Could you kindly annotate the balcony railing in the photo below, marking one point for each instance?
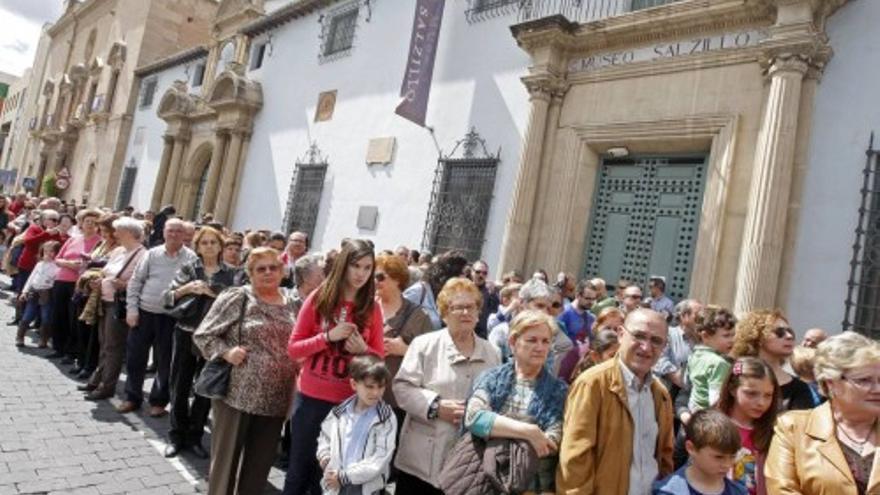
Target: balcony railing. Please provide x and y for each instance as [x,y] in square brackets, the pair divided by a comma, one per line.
[580,11]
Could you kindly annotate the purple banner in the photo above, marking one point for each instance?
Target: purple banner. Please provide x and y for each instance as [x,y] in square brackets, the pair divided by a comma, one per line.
[416,85]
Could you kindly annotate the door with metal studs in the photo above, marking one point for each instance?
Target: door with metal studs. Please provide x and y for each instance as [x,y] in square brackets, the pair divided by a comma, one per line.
[645,220]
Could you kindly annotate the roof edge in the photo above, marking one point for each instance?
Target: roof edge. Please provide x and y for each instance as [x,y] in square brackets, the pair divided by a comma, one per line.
[171,61]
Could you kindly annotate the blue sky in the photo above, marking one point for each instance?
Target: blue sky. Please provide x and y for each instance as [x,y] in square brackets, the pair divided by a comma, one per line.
[22,21]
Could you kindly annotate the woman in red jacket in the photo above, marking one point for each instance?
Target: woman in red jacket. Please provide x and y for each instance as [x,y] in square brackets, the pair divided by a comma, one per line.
[337,322]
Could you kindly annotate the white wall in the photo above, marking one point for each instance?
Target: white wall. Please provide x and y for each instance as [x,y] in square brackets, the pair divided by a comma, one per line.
[847,110]
[476,83]
[148,153]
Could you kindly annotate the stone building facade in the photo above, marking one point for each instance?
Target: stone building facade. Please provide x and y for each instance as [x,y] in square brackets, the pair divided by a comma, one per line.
[87,91]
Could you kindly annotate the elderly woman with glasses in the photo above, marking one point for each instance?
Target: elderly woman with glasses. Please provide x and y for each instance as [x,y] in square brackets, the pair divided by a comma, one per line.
[832,448]
[434,380]
[536,295]
[249,328]
[767,334]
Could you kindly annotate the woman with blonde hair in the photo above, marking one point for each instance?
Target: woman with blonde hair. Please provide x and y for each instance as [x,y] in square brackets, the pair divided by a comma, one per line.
[248,327]
[521,399]
[766,333]
[433,383]
[832,448]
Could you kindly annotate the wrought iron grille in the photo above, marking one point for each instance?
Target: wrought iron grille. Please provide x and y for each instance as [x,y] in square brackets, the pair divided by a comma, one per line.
[863,288]
[644,221]
[583,11]
[304,197]
[484,9]
[337,31]
[126,187]
[461,198]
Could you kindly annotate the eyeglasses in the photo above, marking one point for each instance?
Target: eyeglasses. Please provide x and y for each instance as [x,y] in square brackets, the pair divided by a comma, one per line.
[781,332]
[643,338]
[481,272]
[380,277]
[864,384]
[262,269]
[464,309]
[633,296]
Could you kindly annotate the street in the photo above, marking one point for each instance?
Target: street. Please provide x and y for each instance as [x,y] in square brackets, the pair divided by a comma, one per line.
[53,442]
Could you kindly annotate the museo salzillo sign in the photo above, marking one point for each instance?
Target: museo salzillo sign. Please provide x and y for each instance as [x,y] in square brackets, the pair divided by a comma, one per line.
[416,85]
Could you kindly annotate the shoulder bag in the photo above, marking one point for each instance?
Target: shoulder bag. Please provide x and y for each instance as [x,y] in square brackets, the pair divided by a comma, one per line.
[119,295]
[213,381]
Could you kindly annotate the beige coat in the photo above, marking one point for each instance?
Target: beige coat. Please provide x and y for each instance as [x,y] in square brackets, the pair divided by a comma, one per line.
[805,458]
[433,366]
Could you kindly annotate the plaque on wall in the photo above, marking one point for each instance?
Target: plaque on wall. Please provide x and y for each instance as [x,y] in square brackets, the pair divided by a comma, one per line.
[326,105]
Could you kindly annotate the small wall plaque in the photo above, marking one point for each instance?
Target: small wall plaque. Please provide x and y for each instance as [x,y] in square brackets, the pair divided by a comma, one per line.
[367,216]
[326,105]
[381,150]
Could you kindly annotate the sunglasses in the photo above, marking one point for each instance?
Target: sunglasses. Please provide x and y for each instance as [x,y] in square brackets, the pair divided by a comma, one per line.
[482,272]
[781,332]
[262,269]
[380,277]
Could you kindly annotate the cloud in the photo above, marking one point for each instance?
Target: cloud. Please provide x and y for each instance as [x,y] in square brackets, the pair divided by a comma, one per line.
[37,11]
[19,46]
[18,40]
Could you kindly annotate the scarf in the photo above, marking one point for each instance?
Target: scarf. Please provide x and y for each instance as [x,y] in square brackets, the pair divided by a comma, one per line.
[357,440]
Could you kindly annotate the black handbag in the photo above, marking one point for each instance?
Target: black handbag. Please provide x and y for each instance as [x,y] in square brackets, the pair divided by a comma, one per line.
[120,295]
[188,309]
[213,381]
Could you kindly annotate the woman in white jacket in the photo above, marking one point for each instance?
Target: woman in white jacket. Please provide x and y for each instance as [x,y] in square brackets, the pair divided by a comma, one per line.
[357,438]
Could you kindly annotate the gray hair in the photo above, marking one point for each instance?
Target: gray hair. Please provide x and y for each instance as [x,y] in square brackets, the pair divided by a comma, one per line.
[534,289]
[48,213]
[686,306]
[305,265]
[841,353]
[130,225]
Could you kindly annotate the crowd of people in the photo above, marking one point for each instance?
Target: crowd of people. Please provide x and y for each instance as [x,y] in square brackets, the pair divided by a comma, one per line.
[358,369]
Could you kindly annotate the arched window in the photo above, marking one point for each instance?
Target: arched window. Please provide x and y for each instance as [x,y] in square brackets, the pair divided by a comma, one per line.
[227,54]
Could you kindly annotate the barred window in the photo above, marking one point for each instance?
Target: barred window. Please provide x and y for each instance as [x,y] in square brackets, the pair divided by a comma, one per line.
[198,75]
[337,33]
[257,55]
[126,186]
[304,197]
[148,92]
[863,289]
[460,200]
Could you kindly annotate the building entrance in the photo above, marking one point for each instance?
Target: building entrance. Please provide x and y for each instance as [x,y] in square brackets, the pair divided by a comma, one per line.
[645,220]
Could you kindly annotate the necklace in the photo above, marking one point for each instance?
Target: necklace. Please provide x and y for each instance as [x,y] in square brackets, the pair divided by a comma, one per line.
[858,446]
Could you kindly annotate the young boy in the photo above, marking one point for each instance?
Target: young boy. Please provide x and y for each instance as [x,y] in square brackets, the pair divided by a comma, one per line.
[357,437]
[708,366]
[712,443]
[35,294]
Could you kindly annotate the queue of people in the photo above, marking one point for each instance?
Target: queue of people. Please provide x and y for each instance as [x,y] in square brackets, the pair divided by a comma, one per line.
[368,369]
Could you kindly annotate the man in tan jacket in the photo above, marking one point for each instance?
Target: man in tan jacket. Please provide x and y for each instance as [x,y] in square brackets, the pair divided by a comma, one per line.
[617,435]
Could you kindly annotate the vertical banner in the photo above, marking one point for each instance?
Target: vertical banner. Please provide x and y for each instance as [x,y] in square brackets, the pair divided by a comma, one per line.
[416,85]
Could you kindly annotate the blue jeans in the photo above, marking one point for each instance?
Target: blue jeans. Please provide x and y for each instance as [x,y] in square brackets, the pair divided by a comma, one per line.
[304,472]
[33,308]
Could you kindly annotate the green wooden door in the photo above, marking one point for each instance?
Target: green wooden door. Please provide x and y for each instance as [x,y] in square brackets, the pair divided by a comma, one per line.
[645,217]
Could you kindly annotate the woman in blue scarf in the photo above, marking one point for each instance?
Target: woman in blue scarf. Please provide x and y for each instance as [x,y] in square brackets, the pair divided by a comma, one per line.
[520,399]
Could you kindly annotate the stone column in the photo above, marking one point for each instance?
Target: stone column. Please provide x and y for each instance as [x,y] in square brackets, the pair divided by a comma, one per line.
[519,217]
[173,172]
[764,234]
[227,180]
[221,141]
[162,175]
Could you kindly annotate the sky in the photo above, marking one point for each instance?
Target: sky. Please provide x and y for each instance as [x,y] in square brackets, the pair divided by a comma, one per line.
[22,21]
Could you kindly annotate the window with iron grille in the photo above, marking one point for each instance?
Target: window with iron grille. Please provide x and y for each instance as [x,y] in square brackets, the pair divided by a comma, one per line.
[304,198]
[337,33]
[126,187]
[257,55]
[862,303]
[460,200]
[148,92]
[481,9]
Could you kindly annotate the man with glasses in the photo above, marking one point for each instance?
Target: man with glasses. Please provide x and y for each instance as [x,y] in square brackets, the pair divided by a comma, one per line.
[149,321]
[479,275]
[630,299]
[617,431]
[682,339]
[577,318]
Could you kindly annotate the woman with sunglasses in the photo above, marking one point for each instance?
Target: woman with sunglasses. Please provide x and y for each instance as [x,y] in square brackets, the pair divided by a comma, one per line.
[337,321]
[832,448]
[249,328]
[766,334]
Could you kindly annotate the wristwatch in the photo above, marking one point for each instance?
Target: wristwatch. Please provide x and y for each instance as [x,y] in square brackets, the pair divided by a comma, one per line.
[434,408]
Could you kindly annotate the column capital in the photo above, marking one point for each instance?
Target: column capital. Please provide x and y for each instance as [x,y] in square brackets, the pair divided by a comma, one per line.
[806,52]
[545,86]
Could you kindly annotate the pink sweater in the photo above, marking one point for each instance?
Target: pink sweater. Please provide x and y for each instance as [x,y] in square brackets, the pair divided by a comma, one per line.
[324,373]
[72,250]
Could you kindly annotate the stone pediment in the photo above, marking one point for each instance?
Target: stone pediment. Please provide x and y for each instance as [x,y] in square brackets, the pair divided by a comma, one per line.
[176,102]
[233,88]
